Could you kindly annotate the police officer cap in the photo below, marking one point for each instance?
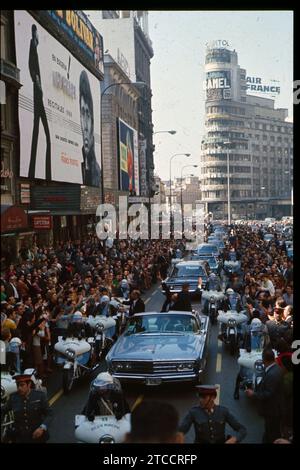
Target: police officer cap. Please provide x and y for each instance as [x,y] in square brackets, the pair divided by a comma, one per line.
[22,377]
[206,389]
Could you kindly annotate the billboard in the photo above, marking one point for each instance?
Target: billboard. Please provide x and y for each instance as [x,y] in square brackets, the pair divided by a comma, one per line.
[256,86]
[76,32]
[129,158]
[59,109]
[218,85]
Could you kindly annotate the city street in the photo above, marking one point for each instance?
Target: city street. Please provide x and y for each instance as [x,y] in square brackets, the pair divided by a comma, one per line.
[221,369]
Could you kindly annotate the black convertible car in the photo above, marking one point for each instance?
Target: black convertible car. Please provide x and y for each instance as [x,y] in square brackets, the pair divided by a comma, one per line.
[161,347]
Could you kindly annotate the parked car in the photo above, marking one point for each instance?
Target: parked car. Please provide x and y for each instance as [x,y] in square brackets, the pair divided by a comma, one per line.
[161,347]
[187,271]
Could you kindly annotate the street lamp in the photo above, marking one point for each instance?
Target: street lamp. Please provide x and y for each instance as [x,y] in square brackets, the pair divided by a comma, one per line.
[122,83]
[168,132]
[181,199]
[173,156]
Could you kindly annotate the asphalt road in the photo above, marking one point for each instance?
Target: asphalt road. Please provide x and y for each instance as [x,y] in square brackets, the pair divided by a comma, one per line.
[221,369]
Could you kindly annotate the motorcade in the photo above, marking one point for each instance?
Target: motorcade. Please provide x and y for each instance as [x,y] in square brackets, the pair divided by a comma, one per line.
[161,347]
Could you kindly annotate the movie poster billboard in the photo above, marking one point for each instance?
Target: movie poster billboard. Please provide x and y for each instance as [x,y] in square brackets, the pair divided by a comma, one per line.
[129,158]
[59,109]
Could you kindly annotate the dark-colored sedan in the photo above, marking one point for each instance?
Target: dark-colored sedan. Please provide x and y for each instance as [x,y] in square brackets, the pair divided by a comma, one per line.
[161,347]
[192,272]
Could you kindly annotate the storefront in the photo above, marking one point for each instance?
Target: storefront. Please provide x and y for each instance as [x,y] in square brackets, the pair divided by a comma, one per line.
[15,233]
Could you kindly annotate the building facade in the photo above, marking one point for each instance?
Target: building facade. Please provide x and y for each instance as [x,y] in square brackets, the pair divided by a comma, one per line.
[118,103]
[126,39]
[58,199]
[248,145]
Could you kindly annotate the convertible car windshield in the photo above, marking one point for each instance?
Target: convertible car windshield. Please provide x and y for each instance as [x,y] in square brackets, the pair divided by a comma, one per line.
[188,271]
[162,324]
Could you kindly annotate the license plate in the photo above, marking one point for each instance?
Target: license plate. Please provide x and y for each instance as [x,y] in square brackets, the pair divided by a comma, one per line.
[153,381]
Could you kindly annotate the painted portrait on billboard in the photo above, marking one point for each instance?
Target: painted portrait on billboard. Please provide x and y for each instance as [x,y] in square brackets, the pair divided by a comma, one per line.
[129,174]
[59,109]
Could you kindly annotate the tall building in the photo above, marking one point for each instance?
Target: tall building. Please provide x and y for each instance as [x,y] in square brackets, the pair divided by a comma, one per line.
[119,132]
[248,144]
[51,182]
[126,39]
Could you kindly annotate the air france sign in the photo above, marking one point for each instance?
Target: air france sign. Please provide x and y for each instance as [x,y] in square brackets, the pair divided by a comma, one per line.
[254,84]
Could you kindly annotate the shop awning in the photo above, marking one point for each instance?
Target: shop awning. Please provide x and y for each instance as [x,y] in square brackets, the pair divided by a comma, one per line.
[13,218]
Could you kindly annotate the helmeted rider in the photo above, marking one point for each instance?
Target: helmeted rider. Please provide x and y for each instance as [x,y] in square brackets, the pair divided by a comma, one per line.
[106,398]
[77,326]
[213,282]
[255,335]
[125,288]
[232,301]
[104,306]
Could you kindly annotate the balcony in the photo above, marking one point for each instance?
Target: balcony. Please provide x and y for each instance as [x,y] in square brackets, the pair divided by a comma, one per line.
[10,73]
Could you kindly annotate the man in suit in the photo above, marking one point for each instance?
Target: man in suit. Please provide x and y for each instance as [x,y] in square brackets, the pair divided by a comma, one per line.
[269,395]
[11,288]
[183,302]
[137,305]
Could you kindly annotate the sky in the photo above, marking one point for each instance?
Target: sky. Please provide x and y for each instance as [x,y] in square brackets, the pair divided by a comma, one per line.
[263,41]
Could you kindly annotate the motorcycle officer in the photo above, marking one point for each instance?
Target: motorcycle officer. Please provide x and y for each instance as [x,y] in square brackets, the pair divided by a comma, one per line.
[106,398]
[32,414]
[209,420]
[78,327]
[213,282]
[232,301]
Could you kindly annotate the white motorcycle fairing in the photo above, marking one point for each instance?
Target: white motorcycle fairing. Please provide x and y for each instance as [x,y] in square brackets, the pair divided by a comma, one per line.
[107,322]
[103,429]
[224,317]
[208,294]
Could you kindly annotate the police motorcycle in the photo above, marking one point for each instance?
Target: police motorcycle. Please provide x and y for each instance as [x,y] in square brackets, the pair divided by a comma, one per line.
[9,366]
[75,353]
[250,360]
[212,297]
[105,418]
[231,323]
[103,326]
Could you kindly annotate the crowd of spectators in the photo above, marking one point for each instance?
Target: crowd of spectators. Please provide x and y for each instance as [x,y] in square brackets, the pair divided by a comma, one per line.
[49,283]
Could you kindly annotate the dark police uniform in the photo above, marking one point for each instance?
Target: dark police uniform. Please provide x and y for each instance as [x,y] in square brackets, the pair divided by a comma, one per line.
[30,413]
[210,427]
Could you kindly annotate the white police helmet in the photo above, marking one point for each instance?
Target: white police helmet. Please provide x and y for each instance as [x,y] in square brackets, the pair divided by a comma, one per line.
[104,299]
[229,291]
[256,325]
[77,317]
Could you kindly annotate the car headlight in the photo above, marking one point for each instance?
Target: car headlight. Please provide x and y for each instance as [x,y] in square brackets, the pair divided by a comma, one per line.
[70,353]
[117,366]
[106,439]
[185,366]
